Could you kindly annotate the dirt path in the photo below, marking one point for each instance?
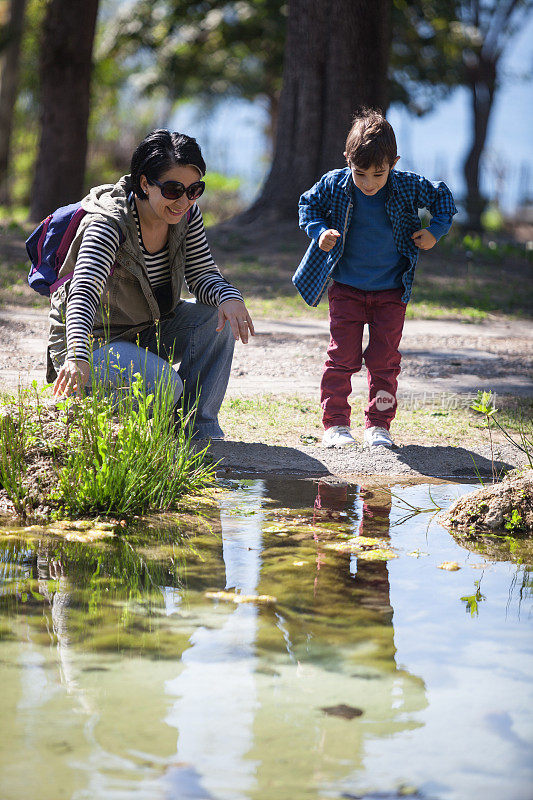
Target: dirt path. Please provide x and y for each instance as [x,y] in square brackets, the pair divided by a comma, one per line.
[439,356]
[440,359]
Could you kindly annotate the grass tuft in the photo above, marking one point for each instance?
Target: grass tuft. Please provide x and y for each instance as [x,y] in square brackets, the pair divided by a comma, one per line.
[120,455]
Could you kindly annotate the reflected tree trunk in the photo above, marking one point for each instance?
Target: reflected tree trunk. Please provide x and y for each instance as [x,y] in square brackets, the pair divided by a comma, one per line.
[65,73]
[9,75]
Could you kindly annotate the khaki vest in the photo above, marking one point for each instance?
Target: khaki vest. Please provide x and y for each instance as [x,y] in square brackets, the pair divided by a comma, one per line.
[127,305]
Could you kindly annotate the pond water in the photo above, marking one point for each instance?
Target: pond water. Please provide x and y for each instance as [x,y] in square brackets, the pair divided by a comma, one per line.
[123,677]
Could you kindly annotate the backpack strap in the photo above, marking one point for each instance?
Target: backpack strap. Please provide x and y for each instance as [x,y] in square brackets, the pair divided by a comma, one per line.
[55,286]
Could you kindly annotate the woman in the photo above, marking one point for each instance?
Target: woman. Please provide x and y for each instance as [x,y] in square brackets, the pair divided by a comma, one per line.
[139,240]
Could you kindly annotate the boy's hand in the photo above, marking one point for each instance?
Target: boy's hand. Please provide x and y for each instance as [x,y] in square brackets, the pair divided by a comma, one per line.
[424,239]
[328,239]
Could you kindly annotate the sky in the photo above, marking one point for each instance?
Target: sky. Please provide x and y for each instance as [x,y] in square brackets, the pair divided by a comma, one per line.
[233,139]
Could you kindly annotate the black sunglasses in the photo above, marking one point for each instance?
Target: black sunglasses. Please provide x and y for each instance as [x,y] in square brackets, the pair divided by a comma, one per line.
[173,190]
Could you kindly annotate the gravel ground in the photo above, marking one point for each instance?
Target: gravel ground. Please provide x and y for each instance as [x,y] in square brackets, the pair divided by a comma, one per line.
[349,462]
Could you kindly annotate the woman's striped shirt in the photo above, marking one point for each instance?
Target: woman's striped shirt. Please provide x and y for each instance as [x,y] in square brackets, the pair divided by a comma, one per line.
[97,255]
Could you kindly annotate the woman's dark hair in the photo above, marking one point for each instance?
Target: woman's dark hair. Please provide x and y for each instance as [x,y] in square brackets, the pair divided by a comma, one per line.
[158,152]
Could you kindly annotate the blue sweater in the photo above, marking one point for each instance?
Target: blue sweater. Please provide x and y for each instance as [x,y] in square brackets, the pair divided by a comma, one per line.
[370,260]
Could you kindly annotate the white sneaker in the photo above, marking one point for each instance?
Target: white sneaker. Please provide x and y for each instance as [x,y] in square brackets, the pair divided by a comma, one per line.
[377,436]
[338,436]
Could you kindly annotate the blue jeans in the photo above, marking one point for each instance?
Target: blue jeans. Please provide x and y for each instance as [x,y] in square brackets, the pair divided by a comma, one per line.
[188,336]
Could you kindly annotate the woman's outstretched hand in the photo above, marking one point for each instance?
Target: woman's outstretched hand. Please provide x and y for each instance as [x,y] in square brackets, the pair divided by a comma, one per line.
[72,378]
[236,313]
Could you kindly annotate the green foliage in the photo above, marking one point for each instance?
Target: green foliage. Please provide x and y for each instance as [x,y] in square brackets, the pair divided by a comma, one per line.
[127,456]
[440,44]
[221,199]
[149,54]
[475,246]
[492,219]
[25,130]
[513,521]
[208,52]
[13,443]
[216,182]
[426,52]
[116,456]
[114,130]
[203,52]
[484,404]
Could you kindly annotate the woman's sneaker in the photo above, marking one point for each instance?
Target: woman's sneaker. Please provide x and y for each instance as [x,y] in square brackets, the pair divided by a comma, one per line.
[378,436]
[338,436]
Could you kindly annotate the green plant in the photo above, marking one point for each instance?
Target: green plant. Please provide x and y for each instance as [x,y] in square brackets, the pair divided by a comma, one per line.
[126,454]
[128,457]
[513,521]
[485,405]
[13,442]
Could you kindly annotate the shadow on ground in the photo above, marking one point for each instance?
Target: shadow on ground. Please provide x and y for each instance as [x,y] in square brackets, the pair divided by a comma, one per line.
[437,461]
[413,460]
[264,458]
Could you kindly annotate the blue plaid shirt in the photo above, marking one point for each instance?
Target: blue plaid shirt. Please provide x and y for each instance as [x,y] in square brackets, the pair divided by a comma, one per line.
[330,202]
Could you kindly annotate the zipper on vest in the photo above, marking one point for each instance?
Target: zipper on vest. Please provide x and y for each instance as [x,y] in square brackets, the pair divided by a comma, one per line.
[319,295]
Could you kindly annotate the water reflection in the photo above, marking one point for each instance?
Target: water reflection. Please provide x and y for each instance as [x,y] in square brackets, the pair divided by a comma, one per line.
[215,692]
[122,680]
[332,648]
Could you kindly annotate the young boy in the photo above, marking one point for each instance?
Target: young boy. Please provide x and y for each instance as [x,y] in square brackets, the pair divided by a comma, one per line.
[366,234]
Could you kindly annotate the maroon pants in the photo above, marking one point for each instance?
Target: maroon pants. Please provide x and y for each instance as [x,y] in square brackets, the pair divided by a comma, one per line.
[349,310]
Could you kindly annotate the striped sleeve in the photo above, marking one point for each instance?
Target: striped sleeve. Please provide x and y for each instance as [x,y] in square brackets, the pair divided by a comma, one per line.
[95,259]
[202,275]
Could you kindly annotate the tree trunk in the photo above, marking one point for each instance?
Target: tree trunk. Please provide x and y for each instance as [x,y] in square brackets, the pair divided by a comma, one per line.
[65,72]
[10,58]
[336,59]
[482,84]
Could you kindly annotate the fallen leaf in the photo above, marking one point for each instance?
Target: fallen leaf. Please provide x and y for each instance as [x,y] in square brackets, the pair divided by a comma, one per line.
[377,555]
[93,535]
[276,528]
[104,526]
[82,525]
[343,711]
[308,439]
[451,566]
[233,597]
[364,547]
